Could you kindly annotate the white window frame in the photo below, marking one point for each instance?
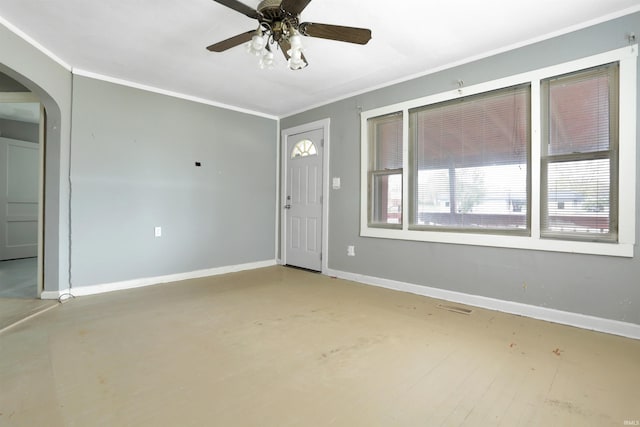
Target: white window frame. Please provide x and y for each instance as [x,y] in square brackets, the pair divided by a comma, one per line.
[627,59]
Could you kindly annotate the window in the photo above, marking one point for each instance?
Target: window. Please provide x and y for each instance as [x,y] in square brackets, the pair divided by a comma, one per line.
[385,170]
[579,155]
[304,148]
[471,163]
[544,160]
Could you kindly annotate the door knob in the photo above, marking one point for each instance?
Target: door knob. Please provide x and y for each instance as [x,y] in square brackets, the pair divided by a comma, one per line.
[287,206]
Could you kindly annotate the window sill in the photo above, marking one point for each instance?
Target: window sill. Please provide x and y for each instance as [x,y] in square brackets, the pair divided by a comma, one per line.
[503,241]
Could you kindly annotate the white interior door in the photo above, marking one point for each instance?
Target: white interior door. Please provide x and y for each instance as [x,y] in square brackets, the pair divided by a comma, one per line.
[19,179]
[303,200]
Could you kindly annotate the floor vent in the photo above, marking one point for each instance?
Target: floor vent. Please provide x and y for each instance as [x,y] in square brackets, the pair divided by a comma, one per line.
[455,309]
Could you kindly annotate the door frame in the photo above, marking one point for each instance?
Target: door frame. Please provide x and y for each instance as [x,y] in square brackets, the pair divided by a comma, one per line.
[30,97]
[325,125]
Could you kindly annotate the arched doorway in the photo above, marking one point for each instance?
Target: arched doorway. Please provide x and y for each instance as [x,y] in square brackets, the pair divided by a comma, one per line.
[22,147]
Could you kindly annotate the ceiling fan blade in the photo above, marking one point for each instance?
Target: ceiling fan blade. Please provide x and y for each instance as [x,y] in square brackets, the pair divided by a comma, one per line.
[285,46]
[335,32]
[239,7]
[231,42]
[294,7]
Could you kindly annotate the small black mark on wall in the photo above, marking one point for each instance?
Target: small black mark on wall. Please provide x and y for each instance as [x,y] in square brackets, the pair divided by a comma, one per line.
[198,164]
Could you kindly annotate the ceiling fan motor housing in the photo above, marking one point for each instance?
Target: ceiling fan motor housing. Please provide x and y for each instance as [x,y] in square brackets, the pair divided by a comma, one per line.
[275,19]
[271,10]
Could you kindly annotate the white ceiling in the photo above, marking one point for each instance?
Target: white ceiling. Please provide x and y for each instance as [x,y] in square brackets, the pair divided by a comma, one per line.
[161,43]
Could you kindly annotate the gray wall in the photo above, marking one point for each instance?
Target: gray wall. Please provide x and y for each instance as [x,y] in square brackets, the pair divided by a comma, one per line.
[601,286]
[133,168]
[52,84]
[130,161]
[19,130]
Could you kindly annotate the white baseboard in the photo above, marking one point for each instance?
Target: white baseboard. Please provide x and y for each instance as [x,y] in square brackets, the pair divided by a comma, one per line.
[54,294]
[583,321]
[629,330]
[150,281]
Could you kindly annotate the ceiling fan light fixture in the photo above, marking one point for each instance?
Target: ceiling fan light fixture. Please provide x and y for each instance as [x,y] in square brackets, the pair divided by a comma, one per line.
[296,62]
[257,44]
[295,40]
[267,60]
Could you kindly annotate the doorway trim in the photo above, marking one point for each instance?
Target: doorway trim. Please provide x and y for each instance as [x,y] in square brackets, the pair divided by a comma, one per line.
[41,184]
[325,125]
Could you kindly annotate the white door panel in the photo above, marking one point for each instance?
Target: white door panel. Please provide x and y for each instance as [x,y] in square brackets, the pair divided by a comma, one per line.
[303,198]
[19,172]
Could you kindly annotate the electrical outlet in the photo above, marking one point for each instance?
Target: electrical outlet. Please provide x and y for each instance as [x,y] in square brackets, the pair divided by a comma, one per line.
[351,250]
[157,231]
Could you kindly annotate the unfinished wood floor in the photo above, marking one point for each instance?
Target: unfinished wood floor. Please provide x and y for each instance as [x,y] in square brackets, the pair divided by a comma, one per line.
[283,347]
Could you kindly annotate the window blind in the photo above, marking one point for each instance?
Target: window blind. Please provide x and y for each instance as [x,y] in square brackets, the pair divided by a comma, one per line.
[580,155]
[385,170]
[471,162]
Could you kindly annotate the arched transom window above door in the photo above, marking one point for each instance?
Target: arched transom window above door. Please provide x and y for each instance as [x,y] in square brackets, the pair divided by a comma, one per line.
[304,148]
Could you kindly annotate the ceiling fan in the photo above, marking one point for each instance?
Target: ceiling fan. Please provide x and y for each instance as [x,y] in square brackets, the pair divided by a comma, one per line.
[279,25]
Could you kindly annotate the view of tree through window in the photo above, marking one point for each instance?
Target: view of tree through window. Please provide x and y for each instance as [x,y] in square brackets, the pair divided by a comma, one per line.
[471,193]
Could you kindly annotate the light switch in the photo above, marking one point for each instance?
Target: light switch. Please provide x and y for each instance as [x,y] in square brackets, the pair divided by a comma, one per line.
[158,231]
[336,183]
